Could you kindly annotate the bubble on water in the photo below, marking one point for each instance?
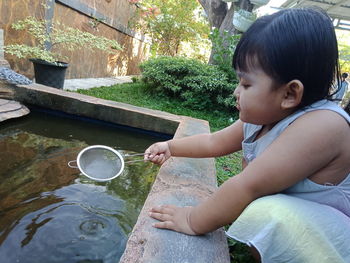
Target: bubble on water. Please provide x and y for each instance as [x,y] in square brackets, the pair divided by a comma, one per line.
[92,227]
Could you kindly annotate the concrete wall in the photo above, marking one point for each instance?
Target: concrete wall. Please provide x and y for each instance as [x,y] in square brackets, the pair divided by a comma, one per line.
[79,14]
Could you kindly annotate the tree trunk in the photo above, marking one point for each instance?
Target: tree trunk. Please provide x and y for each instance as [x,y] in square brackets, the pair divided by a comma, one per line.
[215,10]
[220,15]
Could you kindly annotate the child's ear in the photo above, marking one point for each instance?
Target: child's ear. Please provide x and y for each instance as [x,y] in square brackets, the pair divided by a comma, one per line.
[293,93]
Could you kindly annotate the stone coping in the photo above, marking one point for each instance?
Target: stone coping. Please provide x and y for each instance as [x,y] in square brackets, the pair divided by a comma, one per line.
[10,109]
[180,181]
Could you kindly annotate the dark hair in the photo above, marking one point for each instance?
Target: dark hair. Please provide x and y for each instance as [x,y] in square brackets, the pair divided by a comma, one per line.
[344,75]
[293,44]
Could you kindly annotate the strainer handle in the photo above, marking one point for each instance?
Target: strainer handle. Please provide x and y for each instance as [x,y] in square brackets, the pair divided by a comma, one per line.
[72,166]
[134,161]
[134,154]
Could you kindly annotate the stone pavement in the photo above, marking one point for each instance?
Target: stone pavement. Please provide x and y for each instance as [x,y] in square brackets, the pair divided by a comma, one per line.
[88,83]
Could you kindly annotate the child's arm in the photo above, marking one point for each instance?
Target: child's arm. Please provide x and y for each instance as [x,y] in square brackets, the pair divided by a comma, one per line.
[216,144]
[305,148]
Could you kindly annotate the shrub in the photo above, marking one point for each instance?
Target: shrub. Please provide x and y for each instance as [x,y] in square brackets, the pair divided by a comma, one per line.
[60,37]
[200,86]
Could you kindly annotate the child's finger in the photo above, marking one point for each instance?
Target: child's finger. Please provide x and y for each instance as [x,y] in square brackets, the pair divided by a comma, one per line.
[164,209]
[151,151]
[151,157]
[161,158]
[146,156]
[160,216]
[158,159]
[164,225]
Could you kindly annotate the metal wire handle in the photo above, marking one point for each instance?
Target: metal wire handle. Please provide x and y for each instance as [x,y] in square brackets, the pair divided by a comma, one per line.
[134,154]
[141,160]
[72,166]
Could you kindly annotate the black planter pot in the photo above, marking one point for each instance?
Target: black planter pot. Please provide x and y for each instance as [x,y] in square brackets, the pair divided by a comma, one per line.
[49,74]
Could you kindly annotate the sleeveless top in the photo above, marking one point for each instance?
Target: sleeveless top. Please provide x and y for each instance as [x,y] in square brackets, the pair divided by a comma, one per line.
[337,196]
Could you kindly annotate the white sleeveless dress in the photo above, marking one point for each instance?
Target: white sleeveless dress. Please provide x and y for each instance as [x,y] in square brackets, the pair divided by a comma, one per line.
[306,223]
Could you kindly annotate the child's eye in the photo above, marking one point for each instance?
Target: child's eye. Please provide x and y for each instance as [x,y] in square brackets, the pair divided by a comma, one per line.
[245,85]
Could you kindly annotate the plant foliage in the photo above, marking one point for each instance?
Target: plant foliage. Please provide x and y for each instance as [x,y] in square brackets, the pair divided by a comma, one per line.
[59,36]
[198,85]
[224,45]
[169,23]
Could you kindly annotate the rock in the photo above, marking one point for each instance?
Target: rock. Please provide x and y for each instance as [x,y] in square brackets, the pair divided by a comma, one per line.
[6,90]
[11,109]
[4,63]
[13,77]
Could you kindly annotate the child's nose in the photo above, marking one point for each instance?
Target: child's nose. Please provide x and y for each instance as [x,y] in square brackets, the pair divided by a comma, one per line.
[236,91]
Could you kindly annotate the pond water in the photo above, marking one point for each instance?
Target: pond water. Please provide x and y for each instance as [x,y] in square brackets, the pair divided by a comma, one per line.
[51,213]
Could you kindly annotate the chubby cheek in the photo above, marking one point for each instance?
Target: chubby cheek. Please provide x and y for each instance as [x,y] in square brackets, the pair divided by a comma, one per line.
[244,110]
[244,116]
[249,108]
[251,114]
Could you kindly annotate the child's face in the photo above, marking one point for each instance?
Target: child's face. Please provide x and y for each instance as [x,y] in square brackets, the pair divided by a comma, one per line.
[258,98]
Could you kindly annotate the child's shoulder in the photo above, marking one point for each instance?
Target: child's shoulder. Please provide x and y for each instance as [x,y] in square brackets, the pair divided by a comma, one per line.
[324,126]
[326,117]
[324,120]
[324,112]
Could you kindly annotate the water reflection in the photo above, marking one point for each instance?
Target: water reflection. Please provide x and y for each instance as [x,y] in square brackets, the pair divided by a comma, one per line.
[49,212]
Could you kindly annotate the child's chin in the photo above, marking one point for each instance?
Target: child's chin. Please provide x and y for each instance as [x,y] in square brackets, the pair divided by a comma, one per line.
[245,119]
[242,117]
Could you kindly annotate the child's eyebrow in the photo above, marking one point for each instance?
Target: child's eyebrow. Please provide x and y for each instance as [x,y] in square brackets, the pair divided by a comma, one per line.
[243,75]
[240,74]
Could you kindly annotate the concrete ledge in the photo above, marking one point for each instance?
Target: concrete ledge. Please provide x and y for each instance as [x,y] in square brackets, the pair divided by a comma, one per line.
[181,181]
[87,106]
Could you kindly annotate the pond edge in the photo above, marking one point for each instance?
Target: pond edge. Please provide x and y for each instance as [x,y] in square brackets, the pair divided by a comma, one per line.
[180,181]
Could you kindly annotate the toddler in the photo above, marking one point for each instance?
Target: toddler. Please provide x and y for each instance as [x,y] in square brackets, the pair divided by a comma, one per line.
[291,202]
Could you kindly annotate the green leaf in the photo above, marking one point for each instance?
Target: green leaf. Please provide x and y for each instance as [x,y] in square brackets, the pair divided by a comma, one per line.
[61,37]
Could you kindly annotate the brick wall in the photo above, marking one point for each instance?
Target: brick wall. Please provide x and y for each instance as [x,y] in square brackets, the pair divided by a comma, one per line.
[79,14]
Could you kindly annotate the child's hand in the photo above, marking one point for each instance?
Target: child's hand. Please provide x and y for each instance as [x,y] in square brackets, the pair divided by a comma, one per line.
[157,153]
[173,217]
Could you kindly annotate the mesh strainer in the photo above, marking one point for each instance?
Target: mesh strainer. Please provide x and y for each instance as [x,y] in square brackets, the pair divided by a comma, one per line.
[100,162]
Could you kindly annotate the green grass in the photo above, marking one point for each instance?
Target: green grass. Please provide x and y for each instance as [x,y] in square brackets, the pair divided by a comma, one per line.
[139,94]
[227,166]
